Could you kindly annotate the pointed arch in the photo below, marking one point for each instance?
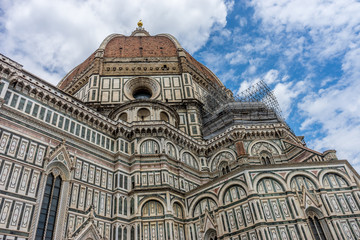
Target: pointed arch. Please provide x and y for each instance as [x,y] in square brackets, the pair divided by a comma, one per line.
[49,207]
[88,231]
[60,159]
[210,234]
[55,189]
[204,205]
[317,224]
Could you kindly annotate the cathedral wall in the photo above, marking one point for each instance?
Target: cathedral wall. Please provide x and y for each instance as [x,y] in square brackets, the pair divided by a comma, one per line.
[23,158]
[154,182]
[275,203]
[51,116]
[94,181]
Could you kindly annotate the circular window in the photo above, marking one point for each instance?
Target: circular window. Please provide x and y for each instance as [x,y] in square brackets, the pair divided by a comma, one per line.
[142,88]
[142,93]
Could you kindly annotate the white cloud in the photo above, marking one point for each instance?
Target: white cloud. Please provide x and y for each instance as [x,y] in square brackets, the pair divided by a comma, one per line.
[242,21]
[236,58]
[331,24]
[230,4]
[246,84]
[271,76]
[57,35]
[254,63]
[286,94]
[229,75]
[331,30]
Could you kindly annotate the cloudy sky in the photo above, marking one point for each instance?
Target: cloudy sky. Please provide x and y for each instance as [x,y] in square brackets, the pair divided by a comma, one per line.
[307,51]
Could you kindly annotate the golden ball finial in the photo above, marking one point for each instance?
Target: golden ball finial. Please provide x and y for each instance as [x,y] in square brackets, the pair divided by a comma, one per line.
[140,24]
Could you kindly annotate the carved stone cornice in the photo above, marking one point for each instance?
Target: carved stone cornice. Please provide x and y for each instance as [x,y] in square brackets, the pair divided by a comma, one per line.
[63,102]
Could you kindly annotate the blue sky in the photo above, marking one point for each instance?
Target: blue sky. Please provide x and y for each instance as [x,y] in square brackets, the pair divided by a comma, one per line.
[307,51]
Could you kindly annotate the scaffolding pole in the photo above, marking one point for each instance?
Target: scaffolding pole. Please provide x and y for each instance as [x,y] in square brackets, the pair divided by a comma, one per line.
[259,92]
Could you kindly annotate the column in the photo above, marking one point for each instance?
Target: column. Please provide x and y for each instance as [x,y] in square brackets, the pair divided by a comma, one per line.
[36,215]
[62,213]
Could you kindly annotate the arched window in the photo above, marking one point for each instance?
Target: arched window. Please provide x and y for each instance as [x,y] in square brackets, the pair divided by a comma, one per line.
[266,158]
[204,204]
[234,193]
[269,185]
[316,226]
[178,212]
[189,160]
[149,147]
[333,180]
[224,168]
[49,207]
[119,233]
[125,233]
[114,232]
[224,156]
[115,205]
[152,208]
[120,205]
[125,206]
[299,181]
[132,206]
[164,117]
[153,212]
[171,150]
[132,233]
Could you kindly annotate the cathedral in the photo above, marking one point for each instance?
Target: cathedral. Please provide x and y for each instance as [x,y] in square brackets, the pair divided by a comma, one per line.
[142,141]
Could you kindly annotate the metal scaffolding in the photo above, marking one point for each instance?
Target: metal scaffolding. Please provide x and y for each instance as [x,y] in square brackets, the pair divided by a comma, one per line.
[259,92]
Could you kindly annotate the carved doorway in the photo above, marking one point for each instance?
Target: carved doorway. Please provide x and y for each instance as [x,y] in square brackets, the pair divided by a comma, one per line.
[211,235]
